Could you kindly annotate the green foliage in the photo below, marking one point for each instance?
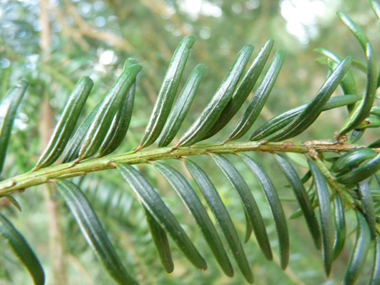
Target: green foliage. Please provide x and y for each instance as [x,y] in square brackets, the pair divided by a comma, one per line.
[66,125]
[8,111]
[219,101]
[22,249]
[167,92]
[259,99]
[303,199]
[314,108]
[334,188]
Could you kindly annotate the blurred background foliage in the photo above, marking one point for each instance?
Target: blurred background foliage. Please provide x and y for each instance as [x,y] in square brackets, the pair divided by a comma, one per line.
[52,43]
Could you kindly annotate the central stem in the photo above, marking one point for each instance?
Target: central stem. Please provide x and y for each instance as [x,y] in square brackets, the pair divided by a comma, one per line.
[96,164]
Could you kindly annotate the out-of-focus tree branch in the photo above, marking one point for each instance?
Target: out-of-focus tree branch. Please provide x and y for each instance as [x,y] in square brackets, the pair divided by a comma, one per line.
[45,39]
[67,31]
[159,7]
[56,247]
[88,30]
